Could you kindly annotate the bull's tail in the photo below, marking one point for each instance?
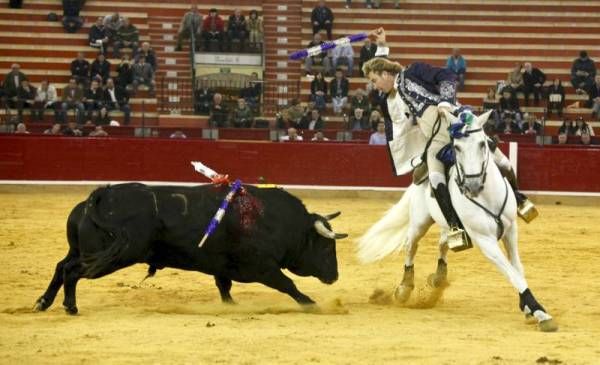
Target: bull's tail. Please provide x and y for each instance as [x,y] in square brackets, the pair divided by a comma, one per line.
[97,263]
[389,233]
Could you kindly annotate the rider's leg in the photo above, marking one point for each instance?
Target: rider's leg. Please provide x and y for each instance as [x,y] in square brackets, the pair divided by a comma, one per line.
[457,238]
[526,209]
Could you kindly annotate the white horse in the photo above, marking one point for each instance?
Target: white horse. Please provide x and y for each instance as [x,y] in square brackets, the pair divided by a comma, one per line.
[486,207]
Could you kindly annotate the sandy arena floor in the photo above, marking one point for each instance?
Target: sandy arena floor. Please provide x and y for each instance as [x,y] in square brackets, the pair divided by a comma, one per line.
[177,316]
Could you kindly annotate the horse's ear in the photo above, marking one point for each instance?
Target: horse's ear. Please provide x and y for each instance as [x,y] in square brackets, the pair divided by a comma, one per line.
[449,116]
[483,118]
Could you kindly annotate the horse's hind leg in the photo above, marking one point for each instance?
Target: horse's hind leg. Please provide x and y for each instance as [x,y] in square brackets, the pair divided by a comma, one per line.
[510,241]
[46,300]
[527,302]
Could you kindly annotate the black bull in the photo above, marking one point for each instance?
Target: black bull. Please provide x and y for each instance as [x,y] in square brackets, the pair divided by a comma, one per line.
[263,231]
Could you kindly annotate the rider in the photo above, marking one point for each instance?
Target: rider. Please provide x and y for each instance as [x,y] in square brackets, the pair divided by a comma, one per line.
[414,125]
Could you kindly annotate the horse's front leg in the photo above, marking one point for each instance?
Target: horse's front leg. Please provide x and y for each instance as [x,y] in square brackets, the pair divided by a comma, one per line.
[510,241]
[527,302]
[440,277]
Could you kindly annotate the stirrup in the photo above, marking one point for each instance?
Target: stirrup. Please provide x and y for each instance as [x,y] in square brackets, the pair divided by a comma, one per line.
[458,240]
[527,211]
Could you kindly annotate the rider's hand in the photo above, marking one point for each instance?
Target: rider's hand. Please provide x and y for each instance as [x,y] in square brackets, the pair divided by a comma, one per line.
[379,35]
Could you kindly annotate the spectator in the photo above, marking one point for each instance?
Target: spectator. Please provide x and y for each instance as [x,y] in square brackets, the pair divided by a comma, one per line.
[45,98]
[219,114]
[319,137]
[100,69]
[321,58]
[556,98]
[376,96]
[80,70]
[71,19]
[112,23]
[533,82]
[21,129]
[376,4]
[124,73]
[93,99]
[190,24]
[25,97]
[102,118]
[291,116]
[510,112]
[292,136]
[212,29]
[583,127]
[586,139]
[360,101]
[72,98]
[143,75]
[252,92]
[128,36]
[562,138]
[255,30]
[531,126]
[322,18]
[97,36]
[318,91]
[178,135]
[515,80]
[148,54]
[12,82]
[55,130]
[15,4]
[236,27]
[358,121]
[72,130]
[458,65]
[375,119]
[98,132]
[367,52]
[312,122]
[343,55]
[242,115]
[490,102]
[339,91]
[204,97]
[594,98]
[568,128]
[116,98]
[583,73]
[378,137]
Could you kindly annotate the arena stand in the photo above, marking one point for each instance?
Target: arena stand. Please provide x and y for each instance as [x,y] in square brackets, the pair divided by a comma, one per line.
[550,39]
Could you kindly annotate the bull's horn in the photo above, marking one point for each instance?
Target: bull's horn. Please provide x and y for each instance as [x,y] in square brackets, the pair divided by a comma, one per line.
[332,216]
[323,231]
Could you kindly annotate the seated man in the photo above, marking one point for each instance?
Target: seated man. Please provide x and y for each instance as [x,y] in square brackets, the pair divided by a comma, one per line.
[204,97]
[25,97]
[100,69]
[292,136]
[583,73]
[45,99]
[291,116]
[339,91]
[533,82]
[219,113]
[312,122]
[242,116]
[594,98]
[116,98]
[93,99]
[236,27]
[72,98]
[97,36]
[343,55]
[212,29]
[127,36]
[322,18]
[321,58]
[143,75]
[80,70]
[190,24]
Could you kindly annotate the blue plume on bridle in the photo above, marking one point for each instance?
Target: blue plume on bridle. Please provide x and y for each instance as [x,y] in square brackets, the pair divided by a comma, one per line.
[457,130]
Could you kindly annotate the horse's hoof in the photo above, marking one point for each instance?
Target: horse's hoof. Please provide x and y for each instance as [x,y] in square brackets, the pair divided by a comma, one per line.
[402,293]
[40,305]
[530,319]
[437,281]
[71,310]
[548,325]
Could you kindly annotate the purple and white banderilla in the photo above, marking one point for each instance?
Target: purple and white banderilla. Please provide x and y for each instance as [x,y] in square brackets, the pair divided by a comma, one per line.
[326,46]
[214,222]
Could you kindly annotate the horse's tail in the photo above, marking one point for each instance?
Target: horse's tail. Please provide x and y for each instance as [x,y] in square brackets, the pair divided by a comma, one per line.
[389,233]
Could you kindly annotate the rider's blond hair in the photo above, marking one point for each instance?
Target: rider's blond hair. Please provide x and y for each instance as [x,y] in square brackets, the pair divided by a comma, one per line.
[378,65]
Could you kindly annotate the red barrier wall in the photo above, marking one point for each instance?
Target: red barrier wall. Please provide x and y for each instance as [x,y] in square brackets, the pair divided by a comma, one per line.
[117,159]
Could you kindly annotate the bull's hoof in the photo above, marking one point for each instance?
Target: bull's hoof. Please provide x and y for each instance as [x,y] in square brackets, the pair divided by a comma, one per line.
[71,310]
[402,293]
[311,308]
[437,281]
[548,325]
[229,302]
[41,305]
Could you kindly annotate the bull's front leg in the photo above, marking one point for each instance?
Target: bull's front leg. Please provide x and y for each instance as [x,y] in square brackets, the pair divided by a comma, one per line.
[277,280]
[224,285]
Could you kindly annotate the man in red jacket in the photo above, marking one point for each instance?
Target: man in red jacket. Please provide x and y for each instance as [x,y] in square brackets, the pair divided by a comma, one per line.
[212,29]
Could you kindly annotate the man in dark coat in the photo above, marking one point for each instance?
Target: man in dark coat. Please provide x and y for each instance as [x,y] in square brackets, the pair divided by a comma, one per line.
[322,18]
[533,82]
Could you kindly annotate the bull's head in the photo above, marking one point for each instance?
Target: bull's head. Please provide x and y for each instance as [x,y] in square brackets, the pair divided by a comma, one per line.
[319,256]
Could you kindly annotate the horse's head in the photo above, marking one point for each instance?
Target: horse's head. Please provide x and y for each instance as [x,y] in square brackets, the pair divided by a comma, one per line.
[471,150]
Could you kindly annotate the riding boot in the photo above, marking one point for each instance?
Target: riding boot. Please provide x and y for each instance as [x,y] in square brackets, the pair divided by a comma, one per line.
[526,209]
[458,239]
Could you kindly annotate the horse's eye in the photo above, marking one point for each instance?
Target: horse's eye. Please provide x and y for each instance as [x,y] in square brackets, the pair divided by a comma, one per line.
[457,148]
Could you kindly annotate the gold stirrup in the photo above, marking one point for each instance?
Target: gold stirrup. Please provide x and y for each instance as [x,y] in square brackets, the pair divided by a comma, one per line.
[527,211]
[458,240]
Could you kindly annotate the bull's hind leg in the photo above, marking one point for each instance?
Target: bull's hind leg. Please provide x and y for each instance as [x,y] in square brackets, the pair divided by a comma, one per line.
[72,273]
[45,301]
[224,285]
